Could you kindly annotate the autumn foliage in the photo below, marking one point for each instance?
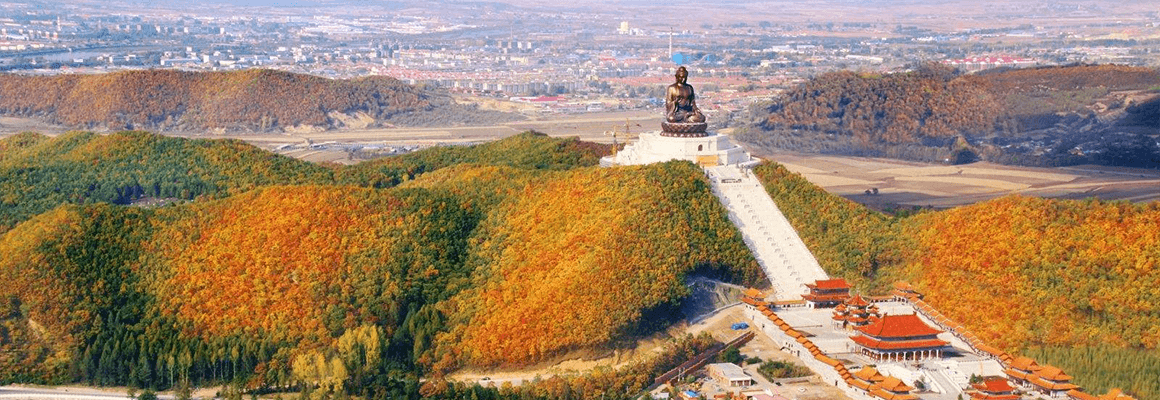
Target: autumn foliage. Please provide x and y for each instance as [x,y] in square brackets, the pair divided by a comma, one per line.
[1058,272]
[38,173]
[847,239]
[348,279]
[933,101]
[893,108]
[1019,272]
[176,100]
[1044,116]
[576,260]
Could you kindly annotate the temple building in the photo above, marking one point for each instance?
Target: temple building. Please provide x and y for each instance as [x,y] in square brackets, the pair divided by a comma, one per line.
[898,338]
[905,290]
[1046,379]
[753,297]
[729,375]
[881,386]
[827,293]
[865,377]
[992,388]
[855,312]
[892,388]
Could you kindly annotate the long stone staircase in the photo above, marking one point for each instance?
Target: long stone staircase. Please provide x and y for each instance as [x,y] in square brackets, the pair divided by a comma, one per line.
[774,242]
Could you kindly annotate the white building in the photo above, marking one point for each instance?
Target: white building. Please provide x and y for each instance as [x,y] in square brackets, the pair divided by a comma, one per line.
[729,375]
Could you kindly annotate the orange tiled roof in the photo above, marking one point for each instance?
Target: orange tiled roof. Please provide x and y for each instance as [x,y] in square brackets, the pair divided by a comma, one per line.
[1014,373]
[903,285]
[1052,374]
[1025,364]
[989,350]
[828,361]
[994,385]
[829,284]
[899,326]
[868,374]
[857,301]
[754,293]
[877,391]
[1078,395]
[894,385]
[872,343]
[1116,394]
[976,395]
[858,384]
[1049,385]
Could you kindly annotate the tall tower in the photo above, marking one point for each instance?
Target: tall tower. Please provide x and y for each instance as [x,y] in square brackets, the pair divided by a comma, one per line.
[670,43]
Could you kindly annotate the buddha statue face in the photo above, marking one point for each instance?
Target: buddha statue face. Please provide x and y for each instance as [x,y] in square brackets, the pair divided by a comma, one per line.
[682,74]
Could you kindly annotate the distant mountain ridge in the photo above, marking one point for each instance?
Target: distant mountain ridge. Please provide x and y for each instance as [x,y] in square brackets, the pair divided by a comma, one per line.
[248,100]
[1049,116]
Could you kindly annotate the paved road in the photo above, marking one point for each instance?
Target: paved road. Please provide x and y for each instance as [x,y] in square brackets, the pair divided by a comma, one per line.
[25,393]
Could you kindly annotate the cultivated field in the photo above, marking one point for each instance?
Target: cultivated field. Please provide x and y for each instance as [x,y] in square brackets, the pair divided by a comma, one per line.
[904,183]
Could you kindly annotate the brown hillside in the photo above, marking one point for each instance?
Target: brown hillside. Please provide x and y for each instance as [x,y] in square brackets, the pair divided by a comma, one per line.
[239,100]
[1049,116]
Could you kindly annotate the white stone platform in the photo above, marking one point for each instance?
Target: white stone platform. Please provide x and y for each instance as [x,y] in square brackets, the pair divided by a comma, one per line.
[651,147]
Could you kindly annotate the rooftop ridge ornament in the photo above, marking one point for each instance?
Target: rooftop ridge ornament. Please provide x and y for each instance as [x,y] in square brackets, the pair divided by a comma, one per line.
[682,117]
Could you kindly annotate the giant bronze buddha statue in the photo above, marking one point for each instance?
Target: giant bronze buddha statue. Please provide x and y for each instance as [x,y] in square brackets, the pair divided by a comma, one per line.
[682,117]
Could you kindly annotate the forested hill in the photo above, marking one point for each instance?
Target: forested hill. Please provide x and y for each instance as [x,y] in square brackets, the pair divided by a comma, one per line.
[245,100]
[1102,114]
[344,280]
[1072,283]
[38,173]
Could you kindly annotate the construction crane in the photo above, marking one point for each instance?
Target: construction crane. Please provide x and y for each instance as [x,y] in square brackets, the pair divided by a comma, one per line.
[616,130]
